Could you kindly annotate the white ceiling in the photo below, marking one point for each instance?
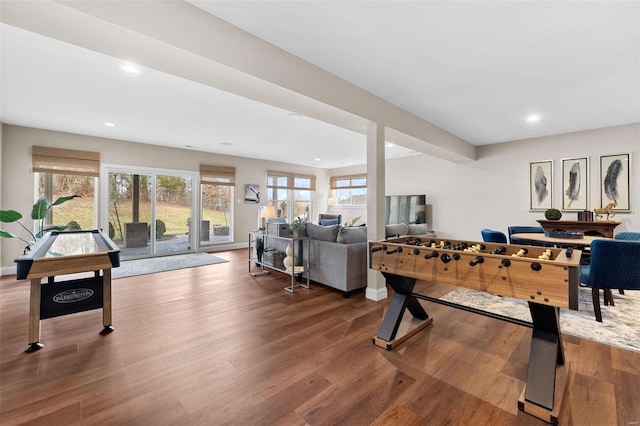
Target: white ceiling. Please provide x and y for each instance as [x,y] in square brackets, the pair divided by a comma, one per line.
[476,69]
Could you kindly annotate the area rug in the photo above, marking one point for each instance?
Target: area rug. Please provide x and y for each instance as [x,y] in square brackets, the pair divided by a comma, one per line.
[620,324]
[130,268]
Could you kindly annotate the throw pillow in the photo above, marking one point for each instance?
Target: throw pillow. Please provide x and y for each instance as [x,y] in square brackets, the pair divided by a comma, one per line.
[324,233]
[329,222]
[352,235]
[397,229]
[418,228]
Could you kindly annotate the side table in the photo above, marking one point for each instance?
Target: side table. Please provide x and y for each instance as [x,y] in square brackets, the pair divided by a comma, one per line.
[299,269]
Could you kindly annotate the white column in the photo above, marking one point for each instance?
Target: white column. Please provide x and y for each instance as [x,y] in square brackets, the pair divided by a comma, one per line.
[376,286]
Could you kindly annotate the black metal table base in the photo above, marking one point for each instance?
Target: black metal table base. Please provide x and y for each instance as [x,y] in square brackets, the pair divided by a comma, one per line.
[546,352]
[34,347]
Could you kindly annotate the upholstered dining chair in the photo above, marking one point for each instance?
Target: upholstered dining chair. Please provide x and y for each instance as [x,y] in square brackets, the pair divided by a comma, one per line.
[491,236]
[329,219]
[614,264]
[627,236]
[521,230]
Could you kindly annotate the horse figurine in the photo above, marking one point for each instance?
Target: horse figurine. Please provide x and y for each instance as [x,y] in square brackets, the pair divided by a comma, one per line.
[608,210]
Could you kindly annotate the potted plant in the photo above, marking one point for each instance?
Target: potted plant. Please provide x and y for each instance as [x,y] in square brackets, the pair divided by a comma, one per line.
[38,213]
[352,222]
[298,226]
[282,211]
[553,214]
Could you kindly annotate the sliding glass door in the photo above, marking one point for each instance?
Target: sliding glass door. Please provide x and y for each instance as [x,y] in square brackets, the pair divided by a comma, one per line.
[149,213]
[173,214]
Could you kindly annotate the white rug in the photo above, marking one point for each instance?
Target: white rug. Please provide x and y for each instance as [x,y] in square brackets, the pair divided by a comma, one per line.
[129,268]
[620,324]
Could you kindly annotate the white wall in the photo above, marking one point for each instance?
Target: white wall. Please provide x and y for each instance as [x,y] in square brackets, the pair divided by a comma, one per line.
[490,192]
[493,191]
[18,179]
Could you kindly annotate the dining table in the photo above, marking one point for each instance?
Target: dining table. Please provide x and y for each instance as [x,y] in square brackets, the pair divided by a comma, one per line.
[579,243]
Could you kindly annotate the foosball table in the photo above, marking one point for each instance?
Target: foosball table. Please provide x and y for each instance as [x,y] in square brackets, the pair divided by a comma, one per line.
[547,278]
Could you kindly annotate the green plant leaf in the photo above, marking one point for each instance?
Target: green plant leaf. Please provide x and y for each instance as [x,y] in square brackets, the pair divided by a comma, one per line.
[8,216]
[61,200]
[39,210]
[5,234]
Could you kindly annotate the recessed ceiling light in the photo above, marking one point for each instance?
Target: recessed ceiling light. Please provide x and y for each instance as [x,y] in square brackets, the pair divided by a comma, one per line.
[390,145]
[294,116]
[226,143]
[132,69]
[533,118]
[317,159]
[108,124]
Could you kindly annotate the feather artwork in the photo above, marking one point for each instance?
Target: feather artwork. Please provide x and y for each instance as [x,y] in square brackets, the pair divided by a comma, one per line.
[540,184]
[573,191]
[611,180]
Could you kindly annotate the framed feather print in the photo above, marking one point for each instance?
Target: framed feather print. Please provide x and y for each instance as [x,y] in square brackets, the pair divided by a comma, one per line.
[541,185]
[615,174]
[575,184]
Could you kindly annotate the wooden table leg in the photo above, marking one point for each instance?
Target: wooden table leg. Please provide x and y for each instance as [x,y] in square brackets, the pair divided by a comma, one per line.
[34,316]
[106,302]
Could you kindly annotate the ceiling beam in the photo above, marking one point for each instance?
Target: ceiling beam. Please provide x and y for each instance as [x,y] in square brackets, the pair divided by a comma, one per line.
[180,39]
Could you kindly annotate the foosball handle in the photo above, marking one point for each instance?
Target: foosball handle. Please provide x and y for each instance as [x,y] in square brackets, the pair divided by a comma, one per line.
[432,255]
[478,259]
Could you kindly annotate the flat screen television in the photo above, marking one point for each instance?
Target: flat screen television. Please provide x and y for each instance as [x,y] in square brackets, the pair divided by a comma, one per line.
[405,209]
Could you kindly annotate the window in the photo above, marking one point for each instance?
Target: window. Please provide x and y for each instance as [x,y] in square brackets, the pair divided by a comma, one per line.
[290,194]
[349,190]
[216,200]
[63,172]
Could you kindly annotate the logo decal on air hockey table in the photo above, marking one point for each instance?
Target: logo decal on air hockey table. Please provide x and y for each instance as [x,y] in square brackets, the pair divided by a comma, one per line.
[71,296]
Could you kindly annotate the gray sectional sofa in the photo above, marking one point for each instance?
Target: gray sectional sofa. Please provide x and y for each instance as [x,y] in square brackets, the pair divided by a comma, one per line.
[338,256]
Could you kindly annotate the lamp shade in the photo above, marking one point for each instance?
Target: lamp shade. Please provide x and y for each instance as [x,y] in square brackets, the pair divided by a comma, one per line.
[264,213]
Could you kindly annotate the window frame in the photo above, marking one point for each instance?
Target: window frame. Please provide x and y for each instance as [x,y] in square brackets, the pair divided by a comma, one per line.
[284,186]
[351,184]
[214,176]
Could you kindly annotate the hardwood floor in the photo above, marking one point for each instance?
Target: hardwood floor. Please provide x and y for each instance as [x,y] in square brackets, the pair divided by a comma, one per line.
[213,346]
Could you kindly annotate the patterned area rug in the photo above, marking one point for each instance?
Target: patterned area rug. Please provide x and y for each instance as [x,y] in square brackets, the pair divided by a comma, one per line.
[130,268]
[620,324]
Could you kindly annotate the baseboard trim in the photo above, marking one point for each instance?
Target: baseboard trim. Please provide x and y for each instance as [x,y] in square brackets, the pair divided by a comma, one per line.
[9,270]
[376,294]
[222,247]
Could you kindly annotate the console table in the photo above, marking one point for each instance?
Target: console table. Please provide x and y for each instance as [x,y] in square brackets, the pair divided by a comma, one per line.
[299,252]
[596,227]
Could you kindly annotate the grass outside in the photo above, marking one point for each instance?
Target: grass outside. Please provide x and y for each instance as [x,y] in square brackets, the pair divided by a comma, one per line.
[173,216]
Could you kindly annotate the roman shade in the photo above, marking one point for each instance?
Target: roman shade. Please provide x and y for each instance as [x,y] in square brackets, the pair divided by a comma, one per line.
[284,180]
[217,175]
[348,182]
[65,161]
